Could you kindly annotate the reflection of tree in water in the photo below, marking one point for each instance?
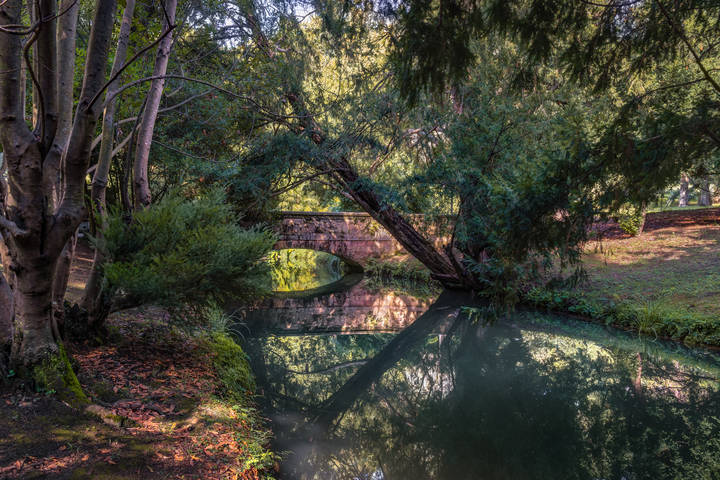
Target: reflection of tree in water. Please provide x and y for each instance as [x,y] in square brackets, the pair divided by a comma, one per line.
[509,403]
[309,368]
[569,415]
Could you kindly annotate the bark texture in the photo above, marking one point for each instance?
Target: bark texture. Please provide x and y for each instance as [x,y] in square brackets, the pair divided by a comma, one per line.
[152,105]
[684,186]
[100,177]
[6,313]
[36,222]
[704,194]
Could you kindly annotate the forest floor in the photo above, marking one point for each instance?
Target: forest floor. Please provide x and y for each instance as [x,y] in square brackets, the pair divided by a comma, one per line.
[159,393]
[663,282]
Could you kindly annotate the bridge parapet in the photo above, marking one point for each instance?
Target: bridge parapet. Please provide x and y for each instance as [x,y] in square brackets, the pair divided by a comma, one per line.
[353,236]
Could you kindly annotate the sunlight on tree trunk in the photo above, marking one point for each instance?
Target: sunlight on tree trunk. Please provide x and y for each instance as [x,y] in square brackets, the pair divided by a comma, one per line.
[684,186]
[100,178]
[147,126]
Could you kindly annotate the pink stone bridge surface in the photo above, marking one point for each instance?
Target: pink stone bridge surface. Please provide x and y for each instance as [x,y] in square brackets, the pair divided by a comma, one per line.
[353,236]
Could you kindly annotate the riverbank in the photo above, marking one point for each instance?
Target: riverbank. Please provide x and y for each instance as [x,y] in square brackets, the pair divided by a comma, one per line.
[664,282]
[165,404]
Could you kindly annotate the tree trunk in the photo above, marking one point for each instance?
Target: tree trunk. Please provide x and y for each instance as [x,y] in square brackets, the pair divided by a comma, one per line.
[152,105]
[344,173]
[61,278]
[6,313]
[35,227]
[100,178]
[420,247]
[33,339]
[704,195]
[66,39]
[684,186]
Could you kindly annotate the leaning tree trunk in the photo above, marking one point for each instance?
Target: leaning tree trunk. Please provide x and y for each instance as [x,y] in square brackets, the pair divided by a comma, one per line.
[100,178]
[152,105]
[35,233]
[684,186]
[345,174]
[404,232]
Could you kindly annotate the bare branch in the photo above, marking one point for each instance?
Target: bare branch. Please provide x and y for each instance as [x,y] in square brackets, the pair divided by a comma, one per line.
[12,227]
[250,100]
[127,64]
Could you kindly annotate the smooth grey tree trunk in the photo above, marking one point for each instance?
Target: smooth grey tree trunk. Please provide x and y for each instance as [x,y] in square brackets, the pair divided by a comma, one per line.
[66,39]
[100,177]
[684,187]
[35,231]
[152,105]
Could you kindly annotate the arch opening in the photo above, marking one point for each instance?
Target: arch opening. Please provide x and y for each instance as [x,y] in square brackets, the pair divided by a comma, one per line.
[300,269]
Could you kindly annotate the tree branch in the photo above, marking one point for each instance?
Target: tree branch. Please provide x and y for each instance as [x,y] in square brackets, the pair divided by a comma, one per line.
[680,31]
[127,64]
[12,227]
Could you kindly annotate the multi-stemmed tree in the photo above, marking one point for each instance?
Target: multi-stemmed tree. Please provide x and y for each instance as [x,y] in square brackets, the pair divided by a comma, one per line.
[45,162]
[42,200]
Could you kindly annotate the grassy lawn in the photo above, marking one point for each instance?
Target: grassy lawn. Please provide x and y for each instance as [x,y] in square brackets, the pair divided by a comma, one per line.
[676,268]
[664,282]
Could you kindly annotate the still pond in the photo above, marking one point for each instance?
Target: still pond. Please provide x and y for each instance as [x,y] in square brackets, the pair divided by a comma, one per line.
[362,381]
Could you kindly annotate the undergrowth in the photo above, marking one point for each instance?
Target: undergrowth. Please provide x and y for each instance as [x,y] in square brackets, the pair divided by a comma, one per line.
[237,387]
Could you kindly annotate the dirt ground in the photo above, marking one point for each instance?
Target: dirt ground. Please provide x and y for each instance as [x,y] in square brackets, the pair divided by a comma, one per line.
[155,388]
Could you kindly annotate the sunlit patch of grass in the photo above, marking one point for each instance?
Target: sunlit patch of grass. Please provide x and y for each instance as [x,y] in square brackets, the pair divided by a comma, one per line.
[679,268]
[664,283]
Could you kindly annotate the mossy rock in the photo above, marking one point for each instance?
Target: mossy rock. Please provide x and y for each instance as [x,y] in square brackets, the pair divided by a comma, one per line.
[55,375]
[231,365]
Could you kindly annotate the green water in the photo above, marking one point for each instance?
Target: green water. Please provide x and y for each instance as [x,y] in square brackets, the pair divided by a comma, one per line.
[531,396]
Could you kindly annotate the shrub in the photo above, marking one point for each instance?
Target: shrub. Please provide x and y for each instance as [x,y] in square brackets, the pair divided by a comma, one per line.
[184,252]
[630,218]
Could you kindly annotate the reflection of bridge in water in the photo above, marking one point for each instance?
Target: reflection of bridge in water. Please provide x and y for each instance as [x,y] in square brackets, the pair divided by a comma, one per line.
[353,236]
[328,310]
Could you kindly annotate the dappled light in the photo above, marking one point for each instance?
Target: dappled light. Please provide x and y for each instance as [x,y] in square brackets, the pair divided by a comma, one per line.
[359,240]
[534,397]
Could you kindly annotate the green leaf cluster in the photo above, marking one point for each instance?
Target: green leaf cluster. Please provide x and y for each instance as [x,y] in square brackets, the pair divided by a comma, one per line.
[185,251]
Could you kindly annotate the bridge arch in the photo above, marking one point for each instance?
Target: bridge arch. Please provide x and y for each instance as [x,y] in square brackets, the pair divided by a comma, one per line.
[354,237]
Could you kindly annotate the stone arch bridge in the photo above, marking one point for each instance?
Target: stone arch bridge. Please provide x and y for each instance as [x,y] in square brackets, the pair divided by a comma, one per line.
[354,237]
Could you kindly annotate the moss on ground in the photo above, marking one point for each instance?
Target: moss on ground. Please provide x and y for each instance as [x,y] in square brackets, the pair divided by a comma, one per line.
[231,365]
[234,403]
